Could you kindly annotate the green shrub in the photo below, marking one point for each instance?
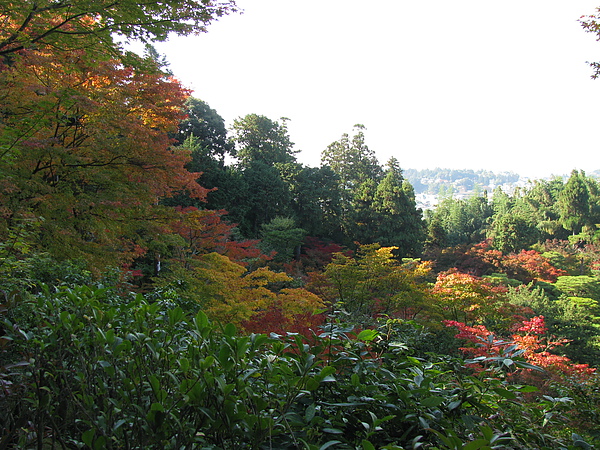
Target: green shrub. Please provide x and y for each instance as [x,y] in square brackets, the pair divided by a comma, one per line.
[91,372]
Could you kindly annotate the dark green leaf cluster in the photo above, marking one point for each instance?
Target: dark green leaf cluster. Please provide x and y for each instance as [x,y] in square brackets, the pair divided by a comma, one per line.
[349,199]
[93,372]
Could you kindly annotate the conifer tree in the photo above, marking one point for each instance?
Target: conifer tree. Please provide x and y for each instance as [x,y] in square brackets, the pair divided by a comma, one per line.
[400,222]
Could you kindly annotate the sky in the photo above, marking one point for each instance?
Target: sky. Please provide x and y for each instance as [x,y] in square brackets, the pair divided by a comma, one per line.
[466,84]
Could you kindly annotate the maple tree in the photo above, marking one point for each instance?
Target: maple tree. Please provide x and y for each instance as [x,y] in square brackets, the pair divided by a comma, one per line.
[530,265]
[83,24]
[469,298]
[374,282]
[525,265]
[481,259]
[529,337]
[204,231]
[85,148]
[84,130]
[228,292]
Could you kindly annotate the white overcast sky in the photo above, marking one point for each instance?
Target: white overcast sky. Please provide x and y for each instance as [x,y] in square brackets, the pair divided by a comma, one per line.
[475,84]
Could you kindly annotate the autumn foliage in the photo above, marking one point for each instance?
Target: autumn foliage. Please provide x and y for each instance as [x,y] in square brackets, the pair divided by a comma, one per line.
[86,149]
[468,298]
[529,336]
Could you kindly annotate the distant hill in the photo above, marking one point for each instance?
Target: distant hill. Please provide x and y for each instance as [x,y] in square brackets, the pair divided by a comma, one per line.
[457,181]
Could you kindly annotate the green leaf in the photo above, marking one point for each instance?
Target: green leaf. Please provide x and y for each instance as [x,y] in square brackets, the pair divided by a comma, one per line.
[431,402]
[230,330]
[208,361]
[118,424]
[184,364]
[175,315]
[479,444]
[100,443]
[328,444]
[155,384]
[525,365]
[201,321]
[528,389]
[367,335]
[505,393]
[310,413]
[312,384]
[88,437]
[366,445]
[157,407]
[487,432]
[455,404]
[326,371]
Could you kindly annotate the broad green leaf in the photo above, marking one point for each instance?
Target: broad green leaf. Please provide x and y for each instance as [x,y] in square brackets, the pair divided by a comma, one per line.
[505,393]
[479,444]
[88,437]
[366,445]
[367,335]
[432,401]
[328,444]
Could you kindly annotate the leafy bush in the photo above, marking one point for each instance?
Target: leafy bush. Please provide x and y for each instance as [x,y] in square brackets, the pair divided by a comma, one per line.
[92,372]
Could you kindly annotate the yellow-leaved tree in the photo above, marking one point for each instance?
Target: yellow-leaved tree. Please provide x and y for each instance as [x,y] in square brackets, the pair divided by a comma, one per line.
[229,293]
[374,282]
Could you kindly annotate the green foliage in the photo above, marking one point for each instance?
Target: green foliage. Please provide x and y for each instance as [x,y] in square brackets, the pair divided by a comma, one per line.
[112,374]
[374,282]
[352,160]
[574,203]
[267,197]
[316,202]
[572,318]
[259,139]
[502,280]
[462,221]
[205,124]
[579,286]
[398,222]
[376,205]
[282,236]
[80,24]
[511,233]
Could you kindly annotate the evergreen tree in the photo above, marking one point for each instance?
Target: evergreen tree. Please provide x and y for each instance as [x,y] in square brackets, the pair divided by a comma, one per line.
[316,202]
[358,173]
[266,165]
[400,223]
[267,196]
[352,160]
[258,138]
[574,203]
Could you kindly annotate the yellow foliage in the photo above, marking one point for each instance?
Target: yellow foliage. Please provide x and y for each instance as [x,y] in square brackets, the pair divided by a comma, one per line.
[375,282]
[229,294]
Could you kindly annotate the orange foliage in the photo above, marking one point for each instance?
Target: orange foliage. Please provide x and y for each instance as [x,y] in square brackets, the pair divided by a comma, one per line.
[85,146]
[205,232]
[529,265]
[530,336]
[525,266]
[480,259]
[468,297]
[231,294]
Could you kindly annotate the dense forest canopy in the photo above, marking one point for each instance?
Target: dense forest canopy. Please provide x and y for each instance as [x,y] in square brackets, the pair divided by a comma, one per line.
[168,283]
